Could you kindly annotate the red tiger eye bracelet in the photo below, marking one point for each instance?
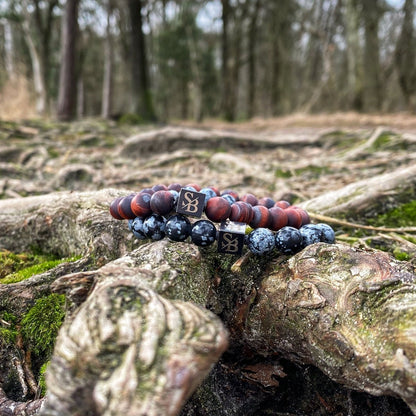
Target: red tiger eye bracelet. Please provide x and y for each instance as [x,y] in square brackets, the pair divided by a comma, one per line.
[194,200]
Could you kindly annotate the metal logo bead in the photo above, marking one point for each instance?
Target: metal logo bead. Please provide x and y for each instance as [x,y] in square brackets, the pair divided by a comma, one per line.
[231,237]
[191,203]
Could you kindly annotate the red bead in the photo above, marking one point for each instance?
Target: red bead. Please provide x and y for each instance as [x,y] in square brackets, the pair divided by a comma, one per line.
[140,204]
[195,186]
[159,187]
[124,207]
[241,212]
[250,198]
[282,204]
[305,216]
[278,218]
[215,190]
[217,209]
[161,202]
[231,192]
[114,208]
[294,219]
[175,187]
[147,191]
[267,202]
[261,217]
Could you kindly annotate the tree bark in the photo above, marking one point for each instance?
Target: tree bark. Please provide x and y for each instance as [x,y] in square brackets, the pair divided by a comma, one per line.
[252,42]
[354,55]
[108,66]
[37,68]
[126,345]
[67,98]
[225,64]
[372,72]
[405,57]
[142,99]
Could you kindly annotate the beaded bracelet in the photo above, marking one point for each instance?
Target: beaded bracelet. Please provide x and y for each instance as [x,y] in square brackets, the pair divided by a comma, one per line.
[147,209]
[288,240]
[193,201]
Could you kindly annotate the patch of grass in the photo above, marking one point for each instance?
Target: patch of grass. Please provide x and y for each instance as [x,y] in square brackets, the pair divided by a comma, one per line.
[40,325]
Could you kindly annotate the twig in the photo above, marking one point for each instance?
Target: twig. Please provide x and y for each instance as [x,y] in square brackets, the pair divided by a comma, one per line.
[337,221]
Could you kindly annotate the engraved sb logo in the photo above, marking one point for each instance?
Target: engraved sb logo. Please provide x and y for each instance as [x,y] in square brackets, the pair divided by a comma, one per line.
[229,243]
[190,204]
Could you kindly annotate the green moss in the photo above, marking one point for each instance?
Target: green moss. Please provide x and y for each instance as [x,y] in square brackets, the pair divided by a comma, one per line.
[130,119]
[312,171]
[400,255]
[282,173]
[7,336]
[402,216]
[39,327]
[45,263]
[42,381]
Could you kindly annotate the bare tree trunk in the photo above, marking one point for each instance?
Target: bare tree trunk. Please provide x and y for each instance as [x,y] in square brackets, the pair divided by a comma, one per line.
[43,17]
[108,67]
[372,73]
[142,99]
[225,54]
[405,57]
[67,77]
[8,48]
[252,42]
[354,55]
[38,77]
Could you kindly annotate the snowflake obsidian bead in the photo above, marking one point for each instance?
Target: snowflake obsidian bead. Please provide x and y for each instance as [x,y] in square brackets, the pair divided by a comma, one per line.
[310,234]
[154,227]
[328,234]
[261,241]
[178,228]
[136,227]
[203,233]
[289,240]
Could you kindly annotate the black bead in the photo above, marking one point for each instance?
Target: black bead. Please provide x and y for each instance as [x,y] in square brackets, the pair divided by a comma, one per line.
[203,233]
[178,228]
[154,227]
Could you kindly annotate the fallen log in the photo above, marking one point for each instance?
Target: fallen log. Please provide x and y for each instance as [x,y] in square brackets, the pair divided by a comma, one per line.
[347,311]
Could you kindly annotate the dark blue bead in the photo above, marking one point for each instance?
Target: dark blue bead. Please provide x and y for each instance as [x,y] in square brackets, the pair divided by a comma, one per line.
[154,227]
[136,227]
[190,188]
[310,234]
[175,196]
[289,240]
[229,198]
[209,193]
[328,234]
[178,228]
[261,241]
[203,233]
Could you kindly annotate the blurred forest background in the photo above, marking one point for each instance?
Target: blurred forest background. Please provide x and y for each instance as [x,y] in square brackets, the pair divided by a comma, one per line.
[148,60]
